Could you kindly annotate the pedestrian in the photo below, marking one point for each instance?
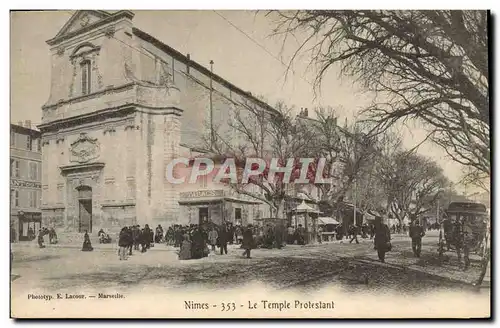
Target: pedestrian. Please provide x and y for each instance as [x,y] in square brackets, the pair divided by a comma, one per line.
[197,244]
[185,250]
[224,237]
[130,240]
[123,243]
[353,231]
[143,240]
[299,235]
[87,245]
[339,232]
[382,239]
[147,236]
[320,235]
[151,238]
[416,234]
[40,238]
[212,238]
[52,236]
[248,241]
[136,236]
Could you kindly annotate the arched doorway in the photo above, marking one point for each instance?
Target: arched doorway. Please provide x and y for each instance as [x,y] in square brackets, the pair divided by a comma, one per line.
[84,208]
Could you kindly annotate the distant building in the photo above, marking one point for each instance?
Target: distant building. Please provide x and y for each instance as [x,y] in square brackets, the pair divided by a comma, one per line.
[25,180]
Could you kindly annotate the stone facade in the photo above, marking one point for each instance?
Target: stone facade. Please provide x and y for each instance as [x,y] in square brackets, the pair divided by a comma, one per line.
[25,178]
[121,105]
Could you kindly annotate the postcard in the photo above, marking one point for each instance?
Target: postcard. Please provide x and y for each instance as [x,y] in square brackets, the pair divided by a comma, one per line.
[250,164]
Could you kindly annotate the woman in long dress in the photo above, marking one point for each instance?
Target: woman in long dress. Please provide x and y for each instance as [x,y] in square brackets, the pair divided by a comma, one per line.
[185,252]
[87,245]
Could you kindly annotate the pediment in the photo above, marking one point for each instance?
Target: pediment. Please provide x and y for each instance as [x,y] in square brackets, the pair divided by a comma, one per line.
[82,19]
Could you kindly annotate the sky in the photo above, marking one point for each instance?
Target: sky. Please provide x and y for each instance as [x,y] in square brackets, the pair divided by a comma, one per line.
[238,42]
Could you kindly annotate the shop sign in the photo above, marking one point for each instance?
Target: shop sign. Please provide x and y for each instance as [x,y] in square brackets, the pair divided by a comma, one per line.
[202,194]
[26,184]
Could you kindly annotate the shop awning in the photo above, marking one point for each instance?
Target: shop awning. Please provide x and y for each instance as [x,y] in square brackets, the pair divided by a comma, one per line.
[327,220]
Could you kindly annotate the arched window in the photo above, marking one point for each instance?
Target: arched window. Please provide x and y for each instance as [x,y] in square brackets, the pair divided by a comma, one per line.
[86,77]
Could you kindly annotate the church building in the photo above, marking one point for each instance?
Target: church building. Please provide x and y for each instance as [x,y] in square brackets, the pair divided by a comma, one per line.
[122,105]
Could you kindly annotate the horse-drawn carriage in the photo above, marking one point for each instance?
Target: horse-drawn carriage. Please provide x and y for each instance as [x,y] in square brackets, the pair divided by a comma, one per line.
[465,229]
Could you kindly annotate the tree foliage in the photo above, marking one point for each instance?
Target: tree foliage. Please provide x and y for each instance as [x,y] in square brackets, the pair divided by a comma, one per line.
[425,65]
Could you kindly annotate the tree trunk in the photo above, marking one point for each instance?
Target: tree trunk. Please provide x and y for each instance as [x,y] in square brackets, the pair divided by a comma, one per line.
[280,207]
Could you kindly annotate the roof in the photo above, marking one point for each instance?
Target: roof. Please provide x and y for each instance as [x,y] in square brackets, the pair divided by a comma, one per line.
[303,208]
[202,69]
[24,130]
[327,220]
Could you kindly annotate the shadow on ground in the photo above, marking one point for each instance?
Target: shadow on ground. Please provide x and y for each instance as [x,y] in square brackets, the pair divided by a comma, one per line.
[273,272]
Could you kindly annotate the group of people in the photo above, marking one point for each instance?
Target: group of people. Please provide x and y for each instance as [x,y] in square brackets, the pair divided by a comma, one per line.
[194,240]
[174,234]
[41,236]
[135,238]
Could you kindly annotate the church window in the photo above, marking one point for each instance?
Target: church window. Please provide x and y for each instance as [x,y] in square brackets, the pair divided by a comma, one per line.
[86,77]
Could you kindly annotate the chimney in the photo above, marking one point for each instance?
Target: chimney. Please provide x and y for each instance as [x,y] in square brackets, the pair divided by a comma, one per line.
[20,123]
[188,62]
[27,124]
[306,113]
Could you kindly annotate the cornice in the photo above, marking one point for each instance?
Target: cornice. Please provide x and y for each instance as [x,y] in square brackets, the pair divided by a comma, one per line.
[109,89]
[121,14]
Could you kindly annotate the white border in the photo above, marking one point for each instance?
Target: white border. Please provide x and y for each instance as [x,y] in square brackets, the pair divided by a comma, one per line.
[144,4]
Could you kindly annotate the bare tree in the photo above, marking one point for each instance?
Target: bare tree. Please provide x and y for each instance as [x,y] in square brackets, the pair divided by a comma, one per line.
[425,65]
[257,132]
[412,183]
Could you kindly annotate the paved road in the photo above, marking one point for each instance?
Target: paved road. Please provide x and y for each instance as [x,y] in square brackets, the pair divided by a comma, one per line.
[348,266]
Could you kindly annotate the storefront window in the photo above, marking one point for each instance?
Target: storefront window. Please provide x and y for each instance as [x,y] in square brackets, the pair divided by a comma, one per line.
[203,215]
[237,216]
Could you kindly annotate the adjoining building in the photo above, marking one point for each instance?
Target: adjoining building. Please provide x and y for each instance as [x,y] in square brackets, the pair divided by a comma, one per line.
[25,181]
[122,104]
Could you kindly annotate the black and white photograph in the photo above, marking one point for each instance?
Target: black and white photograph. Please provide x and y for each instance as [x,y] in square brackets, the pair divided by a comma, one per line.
[250,163]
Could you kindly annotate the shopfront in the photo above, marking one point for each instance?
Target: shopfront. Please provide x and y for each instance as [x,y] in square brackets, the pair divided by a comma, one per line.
[29,225]
[216,206]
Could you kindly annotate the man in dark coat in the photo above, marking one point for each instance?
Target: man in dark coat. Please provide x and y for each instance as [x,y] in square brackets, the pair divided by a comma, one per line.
[144,240]
[147,234]
[416,234]
[130,240]
[124,241]
[223,239]
[136,234]
[382,239]
[248,241]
